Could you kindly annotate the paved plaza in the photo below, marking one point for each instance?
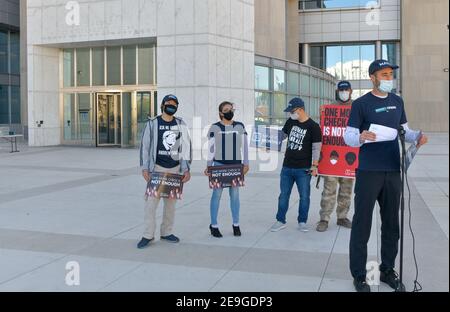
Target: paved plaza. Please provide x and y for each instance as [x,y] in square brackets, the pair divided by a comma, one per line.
[64,204]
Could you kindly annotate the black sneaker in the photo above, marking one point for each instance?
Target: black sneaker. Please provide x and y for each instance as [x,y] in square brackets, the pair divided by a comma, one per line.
[237,231]
[171,239]
[391,278]
[144,243]
[215,232]
[361,284]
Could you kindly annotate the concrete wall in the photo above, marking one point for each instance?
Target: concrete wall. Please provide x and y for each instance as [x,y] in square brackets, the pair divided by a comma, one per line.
[205,52]
[425,45]
[270,28]
[344,25]
[9,13]
[292,31]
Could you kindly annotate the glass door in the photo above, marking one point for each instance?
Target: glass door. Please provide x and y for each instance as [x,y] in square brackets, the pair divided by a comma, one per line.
[108,119]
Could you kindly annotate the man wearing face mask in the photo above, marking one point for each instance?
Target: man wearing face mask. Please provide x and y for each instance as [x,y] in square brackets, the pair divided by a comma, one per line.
[344,92]
[165,148]
[378,176]
[300,163]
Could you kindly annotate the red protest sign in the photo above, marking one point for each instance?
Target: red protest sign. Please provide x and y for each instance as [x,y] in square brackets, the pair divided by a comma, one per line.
[336,158]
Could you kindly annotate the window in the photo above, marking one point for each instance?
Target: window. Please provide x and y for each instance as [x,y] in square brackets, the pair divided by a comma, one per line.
[279,80]
[69,117]
[3,52]
[146,64]
[367,57]
[129,65]
[15,105]
[334,61]
[84,117]
[293,83]
[4,105]
[317,57]
[283,85]
[113,60]
[68,64]
[262,110]
[83,67]
[305,84]
[350,62]
[98,66]
[9,53]
[389,53]
[143,106]
[261,78]
[15,53]
[279,105]
[335,4]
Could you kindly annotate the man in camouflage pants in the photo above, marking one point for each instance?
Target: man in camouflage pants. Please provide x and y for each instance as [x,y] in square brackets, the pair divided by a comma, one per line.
[331,183]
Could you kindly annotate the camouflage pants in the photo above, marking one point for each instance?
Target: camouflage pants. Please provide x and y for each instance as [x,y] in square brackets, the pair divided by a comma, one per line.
[329,197]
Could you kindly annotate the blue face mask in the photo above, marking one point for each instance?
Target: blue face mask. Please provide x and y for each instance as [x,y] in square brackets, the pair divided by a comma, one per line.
[386,86]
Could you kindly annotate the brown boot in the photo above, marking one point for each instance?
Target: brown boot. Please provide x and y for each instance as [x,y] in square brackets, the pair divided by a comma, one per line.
[345,223]
[322,226]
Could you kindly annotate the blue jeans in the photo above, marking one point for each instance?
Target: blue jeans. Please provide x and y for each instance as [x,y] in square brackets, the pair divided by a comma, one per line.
[303,180]
[234,202]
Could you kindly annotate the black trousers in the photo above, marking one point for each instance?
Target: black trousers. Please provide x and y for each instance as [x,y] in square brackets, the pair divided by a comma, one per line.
[370,187]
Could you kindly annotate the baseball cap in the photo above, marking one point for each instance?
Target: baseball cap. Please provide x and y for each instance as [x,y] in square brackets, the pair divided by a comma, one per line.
[170,97]
[294,103]
[344,85]
[380,64]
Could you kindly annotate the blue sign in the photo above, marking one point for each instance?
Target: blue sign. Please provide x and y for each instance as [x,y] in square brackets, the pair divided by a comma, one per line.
[267,137]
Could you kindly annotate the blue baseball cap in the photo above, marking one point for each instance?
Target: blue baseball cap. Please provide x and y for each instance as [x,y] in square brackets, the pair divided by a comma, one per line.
[344,85]
[380,64]
[170,97]
[294,103]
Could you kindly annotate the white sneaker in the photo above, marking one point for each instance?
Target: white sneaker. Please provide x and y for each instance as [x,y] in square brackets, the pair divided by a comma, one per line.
[278,226]
[303,227]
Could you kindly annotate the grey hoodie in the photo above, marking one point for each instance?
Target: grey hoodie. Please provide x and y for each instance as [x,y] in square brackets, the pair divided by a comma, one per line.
[149,146]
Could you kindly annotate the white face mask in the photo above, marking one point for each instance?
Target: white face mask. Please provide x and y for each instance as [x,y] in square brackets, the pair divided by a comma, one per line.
[344,96]
[295,116]
[386,86]
[333,161]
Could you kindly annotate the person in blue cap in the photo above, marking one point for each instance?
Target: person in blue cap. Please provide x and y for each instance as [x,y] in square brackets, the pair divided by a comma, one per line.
[300,163]
[378,175]
[330,184]
[165,148]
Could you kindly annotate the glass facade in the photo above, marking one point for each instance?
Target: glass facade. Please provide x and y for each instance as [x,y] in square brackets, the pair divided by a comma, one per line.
[277,82]
[349,62]
[389,52]
[107,94]
[335,4]
[9,74]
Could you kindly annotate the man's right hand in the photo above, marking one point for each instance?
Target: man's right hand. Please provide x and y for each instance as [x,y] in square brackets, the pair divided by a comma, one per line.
[146,175]
[367,136]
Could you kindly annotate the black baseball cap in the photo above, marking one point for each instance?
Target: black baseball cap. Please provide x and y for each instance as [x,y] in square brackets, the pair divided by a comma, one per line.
[344,85]
[380,64]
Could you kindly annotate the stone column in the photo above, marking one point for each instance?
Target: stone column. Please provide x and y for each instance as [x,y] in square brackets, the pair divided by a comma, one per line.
[206,56]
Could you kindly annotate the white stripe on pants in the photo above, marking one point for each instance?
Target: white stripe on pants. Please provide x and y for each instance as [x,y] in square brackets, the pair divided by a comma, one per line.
[151,205]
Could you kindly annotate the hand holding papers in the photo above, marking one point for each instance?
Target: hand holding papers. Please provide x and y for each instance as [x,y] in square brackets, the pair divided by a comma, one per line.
[382,133]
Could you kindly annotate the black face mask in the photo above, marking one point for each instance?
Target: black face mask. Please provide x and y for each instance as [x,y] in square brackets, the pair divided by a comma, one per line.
[228,115]
[170,110]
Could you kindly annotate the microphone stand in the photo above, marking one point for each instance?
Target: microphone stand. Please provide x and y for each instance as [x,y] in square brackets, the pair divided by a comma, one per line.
[402,133]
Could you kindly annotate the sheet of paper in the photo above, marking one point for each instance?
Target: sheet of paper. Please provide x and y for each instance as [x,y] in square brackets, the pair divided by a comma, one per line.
[410,154]
[383,133]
